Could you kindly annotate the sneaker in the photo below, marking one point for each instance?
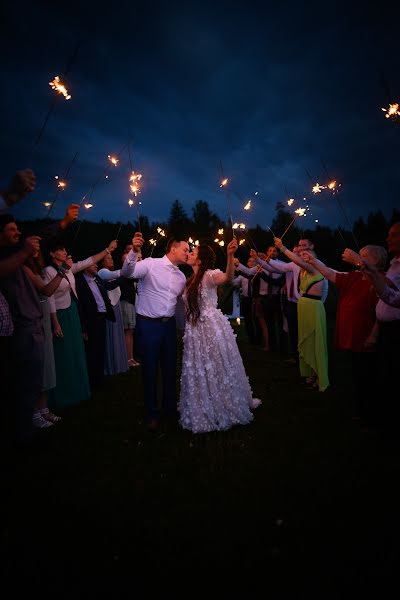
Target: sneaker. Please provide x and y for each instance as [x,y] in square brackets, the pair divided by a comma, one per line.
[39,422]
[49,416]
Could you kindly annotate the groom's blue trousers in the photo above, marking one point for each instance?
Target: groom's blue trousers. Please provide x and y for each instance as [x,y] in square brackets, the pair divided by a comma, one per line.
[156,340]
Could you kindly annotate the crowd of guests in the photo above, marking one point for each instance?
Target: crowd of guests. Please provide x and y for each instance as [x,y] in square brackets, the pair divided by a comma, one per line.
[64,325]
[61,324]
[367,324]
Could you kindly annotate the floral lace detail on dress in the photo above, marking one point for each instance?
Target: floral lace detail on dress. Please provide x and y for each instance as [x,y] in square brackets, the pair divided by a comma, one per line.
[215,390]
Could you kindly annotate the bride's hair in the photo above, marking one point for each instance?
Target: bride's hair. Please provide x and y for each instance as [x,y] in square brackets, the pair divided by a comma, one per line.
[207,257]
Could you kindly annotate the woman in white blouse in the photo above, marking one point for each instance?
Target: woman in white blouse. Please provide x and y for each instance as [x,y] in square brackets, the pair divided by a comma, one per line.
[116,358]
[69,353]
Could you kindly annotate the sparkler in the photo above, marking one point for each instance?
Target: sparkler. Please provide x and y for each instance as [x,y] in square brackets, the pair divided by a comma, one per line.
[317,188]
[134,186]
[223,185]
[193,243]
[58,85]
[61,185]
[333,186]
[113,160]
[153,242]
[299,212]
[247,206]
[392,111]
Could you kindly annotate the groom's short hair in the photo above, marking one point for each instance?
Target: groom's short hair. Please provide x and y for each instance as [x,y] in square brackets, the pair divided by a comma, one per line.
[173,241]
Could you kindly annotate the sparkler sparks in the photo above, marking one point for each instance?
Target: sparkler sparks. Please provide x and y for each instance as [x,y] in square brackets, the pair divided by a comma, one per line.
[87,205]
[220,232]
[247,206]
[57,85]
[60,182]
[152,242]
[224,183]
[161,232]
[241,242]
[290,201]
[134,179]
[46,204]
[238,320]
[392,111]
[113,159]
[301,212]
[131,202]
[317,188]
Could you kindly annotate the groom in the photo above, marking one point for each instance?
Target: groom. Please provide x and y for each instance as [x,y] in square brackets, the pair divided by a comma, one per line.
[160,284]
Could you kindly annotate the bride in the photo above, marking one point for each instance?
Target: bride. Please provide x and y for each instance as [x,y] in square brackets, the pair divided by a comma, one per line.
[215,391]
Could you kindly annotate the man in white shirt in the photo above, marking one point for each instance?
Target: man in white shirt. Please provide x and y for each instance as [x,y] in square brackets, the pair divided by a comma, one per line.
[161,283]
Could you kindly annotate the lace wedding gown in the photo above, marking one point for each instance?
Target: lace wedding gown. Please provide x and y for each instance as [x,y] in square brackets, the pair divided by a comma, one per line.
[215,391]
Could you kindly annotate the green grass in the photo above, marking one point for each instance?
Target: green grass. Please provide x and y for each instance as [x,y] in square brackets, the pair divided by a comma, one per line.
[302,490]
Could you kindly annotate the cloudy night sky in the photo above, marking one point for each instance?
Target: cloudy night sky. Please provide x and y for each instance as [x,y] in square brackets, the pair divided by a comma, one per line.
[268,91]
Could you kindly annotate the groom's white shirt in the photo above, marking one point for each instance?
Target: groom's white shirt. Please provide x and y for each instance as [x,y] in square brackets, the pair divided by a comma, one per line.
[160,284]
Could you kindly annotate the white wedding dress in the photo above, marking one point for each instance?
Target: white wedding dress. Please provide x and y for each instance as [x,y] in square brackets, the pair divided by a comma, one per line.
[215,391]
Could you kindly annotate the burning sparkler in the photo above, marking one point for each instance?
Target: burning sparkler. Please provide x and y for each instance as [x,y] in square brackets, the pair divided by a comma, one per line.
[242,241]
[224,182]
[88,205]
[134,179]
[57,85]
[113,160]
[220,232]
[392,111]
[46,204]
[299,212]
[60,182]
[317,188]
[247,206]
[290,201]
[154,242]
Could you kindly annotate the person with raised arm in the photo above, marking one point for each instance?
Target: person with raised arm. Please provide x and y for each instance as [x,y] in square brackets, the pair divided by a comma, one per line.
[312,344]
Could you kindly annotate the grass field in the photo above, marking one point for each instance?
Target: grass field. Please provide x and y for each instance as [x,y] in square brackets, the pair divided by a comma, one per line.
[301,493]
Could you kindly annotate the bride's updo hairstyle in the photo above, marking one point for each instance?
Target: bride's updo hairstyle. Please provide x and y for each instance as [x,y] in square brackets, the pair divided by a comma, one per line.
[207,257]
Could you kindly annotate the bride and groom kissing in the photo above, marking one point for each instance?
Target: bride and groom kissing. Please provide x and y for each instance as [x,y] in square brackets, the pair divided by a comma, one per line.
[215,393]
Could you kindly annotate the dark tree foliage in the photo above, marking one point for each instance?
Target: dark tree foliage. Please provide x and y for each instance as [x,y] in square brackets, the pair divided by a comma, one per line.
[85,238]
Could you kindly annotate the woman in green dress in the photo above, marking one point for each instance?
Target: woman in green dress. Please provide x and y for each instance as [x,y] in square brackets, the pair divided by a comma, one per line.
[312,346]
[69,352]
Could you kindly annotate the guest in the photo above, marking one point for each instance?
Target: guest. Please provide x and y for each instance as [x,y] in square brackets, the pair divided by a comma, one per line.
[355,329]
[33,267]
[26,347]
[94,309]
[313,351]
[116,358]
[69,353]
[128,289]
[388,341]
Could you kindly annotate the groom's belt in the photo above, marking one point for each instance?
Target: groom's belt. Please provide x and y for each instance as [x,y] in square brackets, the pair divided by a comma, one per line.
[159,319]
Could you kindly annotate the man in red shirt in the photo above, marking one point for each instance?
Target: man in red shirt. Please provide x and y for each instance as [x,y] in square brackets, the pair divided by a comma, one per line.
[356,328]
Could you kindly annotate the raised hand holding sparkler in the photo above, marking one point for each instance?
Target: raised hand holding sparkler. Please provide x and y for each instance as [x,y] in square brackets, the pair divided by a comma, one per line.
[137,241]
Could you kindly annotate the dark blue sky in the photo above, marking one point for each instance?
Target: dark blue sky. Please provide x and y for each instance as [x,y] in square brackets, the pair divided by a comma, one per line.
[268,91]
